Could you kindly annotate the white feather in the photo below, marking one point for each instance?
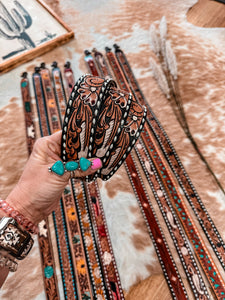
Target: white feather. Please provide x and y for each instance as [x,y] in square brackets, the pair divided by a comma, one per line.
[171,60]
[160,77]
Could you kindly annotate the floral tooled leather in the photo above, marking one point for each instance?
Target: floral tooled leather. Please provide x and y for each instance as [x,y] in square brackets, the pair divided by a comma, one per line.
[101,121]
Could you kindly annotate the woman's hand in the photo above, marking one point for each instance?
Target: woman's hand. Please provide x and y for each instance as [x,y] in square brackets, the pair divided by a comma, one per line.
[37,193]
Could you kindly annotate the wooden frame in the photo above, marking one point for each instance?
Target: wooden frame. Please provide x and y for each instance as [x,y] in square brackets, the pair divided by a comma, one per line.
[19,16]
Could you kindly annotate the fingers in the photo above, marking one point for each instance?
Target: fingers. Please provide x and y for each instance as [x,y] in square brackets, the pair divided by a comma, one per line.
[96,164]
[56,137]
[78,170]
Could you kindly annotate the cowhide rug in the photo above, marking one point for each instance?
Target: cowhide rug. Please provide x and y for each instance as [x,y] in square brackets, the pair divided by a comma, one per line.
[200,59]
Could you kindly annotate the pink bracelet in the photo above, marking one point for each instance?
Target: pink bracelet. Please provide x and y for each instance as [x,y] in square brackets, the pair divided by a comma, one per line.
[20,219]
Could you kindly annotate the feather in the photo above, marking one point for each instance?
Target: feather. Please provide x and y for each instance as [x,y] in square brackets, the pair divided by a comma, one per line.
[171,60]
[160,77]
[154,40]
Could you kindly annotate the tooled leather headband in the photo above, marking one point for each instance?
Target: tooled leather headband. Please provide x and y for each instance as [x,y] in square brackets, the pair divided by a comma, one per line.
[101,121]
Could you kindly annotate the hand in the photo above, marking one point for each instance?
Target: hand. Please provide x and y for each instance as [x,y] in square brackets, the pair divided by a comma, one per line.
[37,193]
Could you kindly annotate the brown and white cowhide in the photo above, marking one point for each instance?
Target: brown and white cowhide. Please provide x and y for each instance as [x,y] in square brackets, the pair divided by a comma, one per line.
[201,68]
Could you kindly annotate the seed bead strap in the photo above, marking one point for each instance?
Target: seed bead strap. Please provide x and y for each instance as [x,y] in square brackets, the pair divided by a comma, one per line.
[166,260]
[20,219]
[50,101]
[69,78]
[97,278]
[176,231]
[108,262]
[173,159]
[29,124]
[65,260]
[59,90]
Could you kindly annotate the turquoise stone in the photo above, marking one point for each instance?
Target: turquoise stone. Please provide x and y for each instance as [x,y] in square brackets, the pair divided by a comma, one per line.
[58,168]
[48,272]
[24,84]
[84,164]
[71,166]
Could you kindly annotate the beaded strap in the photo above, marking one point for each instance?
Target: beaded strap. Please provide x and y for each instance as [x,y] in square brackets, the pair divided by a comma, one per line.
[20,219]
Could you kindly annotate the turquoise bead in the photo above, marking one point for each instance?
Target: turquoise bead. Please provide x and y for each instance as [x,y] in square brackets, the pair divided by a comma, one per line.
[84,164]
[71,165]
[48,272]
[58,168]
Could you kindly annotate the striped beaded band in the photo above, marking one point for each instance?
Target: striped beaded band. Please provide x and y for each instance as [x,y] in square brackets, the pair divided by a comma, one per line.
[20,219]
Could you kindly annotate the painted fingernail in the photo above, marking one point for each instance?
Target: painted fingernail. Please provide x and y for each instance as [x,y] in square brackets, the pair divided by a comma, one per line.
[96,164]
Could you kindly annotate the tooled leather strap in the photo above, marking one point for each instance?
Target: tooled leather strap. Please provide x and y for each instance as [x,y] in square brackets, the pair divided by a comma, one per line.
[204,257]
[29,124]
[101,121]
[86,86]
[59,220]
[90,63]
[108,262]
[166,260]
[199,247]
[51,105]
[176,231]
[87,230]
[44,240]
[59,90]
[177,167]
[102,64]
[164,255]
[69,78]
[87,286]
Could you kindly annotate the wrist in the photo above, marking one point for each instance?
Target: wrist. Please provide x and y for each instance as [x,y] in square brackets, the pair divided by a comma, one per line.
[17,216]
[22,203]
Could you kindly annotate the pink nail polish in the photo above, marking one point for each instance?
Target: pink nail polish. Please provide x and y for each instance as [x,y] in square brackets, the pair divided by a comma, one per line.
[96,164]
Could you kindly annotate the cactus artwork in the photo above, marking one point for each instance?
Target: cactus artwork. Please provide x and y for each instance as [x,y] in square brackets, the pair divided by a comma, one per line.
[13,25]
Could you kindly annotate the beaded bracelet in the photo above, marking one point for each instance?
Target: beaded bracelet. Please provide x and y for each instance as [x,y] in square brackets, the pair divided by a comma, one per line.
[20,219]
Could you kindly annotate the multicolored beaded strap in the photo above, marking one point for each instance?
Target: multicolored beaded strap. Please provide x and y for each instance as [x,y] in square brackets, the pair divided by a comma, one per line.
[166,260]
[50,280]
[199,247]
[177,167]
